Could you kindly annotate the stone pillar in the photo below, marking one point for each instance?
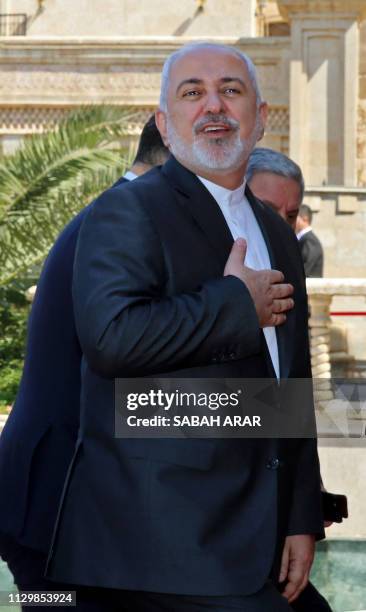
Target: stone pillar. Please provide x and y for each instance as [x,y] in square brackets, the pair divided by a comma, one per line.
[320,293]
[319,326]
[324,75]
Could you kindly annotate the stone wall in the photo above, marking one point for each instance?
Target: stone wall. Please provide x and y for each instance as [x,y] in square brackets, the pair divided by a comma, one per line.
[343,470]
[41,79]
[340,223]
[128,18]
[361,140]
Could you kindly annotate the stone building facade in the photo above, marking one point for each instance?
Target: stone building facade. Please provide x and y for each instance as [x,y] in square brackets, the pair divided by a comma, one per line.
[311,58]
[313,75]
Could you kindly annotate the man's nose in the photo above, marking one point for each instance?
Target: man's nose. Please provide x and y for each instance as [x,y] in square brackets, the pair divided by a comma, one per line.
[213,103]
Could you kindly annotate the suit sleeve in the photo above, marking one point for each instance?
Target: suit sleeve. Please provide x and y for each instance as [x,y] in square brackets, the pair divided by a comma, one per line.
[127,324]
[306,515]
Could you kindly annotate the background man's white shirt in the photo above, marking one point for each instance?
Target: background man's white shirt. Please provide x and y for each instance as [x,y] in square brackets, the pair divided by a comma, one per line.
[130,176]
[304,231]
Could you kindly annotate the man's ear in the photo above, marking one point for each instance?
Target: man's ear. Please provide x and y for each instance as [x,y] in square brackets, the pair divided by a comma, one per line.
[263,114]
[160,120]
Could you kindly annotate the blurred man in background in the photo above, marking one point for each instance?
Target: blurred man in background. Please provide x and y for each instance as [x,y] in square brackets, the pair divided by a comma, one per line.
[276,180]
[310,245]
[38,440]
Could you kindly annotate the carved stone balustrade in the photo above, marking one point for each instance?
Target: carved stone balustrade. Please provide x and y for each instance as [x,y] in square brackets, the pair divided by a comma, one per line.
[321,292]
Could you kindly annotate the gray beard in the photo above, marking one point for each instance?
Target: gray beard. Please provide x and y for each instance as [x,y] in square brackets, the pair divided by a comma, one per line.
[220,155]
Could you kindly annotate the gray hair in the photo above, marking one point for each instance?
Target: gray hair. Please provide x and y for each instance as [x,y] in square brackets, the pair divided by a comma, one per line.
[171,59]
[268,160]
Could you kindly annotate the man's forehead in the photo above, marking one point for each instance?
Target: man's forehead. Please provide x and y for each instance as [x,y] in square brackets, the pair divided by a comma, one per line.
[281,192]
[207,63]
[277,181]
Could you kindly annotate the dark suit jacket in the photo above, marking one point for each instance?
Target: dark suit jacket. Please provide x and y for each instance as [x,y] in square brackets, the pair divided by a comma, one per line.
[196,516]
[38,440]
[312,255]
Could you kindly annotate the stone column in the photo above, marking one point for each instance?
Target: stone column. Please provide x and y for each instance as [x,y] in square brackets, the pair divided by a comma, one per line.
[319,326]
[320,293]
[324,75]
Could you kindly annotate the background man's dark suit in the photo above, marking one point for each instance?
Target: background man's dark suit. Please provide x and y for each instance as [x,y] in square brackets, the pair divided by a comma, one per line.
[312,254]
[45,416]
[38,440]
[179,516]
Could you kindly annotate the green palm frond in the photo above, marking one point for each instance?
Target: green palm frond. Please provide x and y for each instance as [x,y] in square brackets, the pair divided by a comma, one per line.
[49,180]
[46,159]
[25,241]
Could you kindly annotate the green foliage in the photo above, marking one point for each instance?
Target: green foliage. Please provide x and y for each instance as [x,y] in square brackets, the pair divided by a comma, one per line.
[42,186]
[48,180]
[14,311]
[9,383]
[45,161]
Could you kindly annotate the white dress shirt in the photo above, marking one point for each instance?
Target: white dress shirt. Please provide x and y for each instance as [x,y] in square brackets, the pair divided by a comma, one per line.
[130,176]
[242,223]
[304,231]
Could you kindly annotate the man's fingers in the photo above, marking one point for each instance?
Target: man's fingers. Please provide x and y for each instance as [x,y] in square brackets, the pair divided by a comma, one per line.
[301,553]
[284,564]
[295,582]
[275,319]
[238,251]
[275,276]
[236,258]
[299,589]
[282,305]
[289,591]
[281,290]
[271,296]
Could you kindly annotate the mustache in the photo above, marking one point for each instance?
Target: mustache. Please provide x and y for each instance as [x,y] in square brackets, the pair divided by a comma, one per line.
[219,118]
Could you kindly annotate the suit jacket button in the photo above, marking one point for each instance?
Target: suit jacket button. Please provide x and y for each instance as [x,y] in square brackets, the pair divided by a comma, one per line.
[273,464]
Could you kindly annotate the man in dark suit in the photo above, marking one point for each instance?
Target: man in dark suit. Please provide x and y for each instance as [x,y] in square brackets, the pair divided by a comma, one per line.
[160,289]
[277,181]
[39,437]
[310,245]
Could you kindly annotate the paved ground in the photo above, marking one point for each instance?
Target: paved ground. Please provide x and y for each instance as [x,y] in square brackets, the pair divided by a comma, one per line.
[339,573]
[6,585]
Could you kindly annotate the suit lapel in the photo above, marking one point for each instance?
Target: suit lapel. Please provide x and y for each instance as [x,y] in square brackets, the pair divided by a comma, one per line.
[279,259]
[202,207]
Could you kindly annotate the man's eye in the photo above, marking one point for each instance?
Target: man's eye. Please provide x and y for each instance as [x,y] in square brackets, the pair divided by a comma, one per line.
[231,90]
[191,93]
